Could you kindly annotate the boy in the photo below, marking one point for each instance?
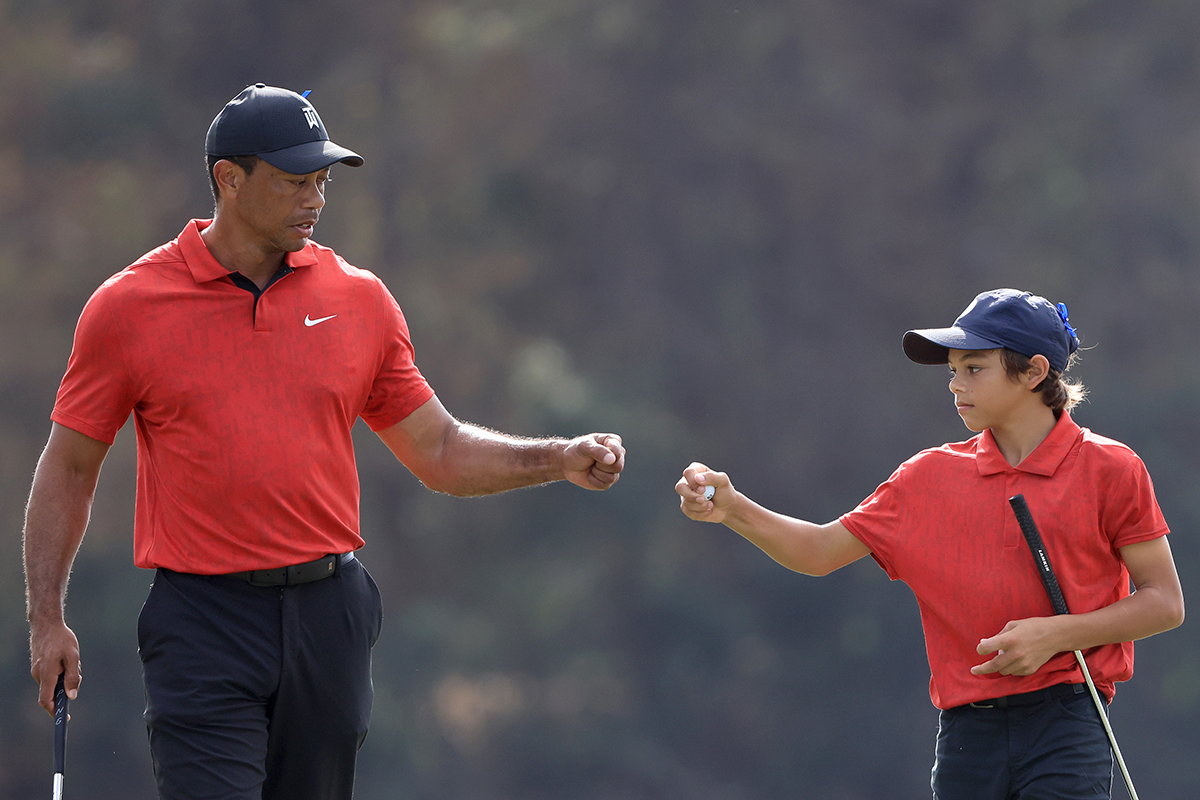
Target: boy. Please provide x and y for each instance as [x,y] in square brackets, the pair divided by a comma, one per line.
[1001,663]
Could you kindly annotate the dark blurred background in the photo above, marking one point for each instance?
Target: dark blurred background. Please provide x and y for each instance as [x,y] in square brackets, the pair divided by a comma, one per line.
[703,225]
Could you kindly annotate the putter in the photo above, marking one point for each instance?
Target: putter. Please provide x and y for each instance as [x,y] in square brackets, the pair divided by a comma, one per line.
[1034,540]
[60,735]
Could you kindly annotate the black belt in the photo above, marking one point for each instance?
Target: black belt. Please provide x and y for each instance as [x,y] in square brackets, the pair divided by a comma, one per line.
[1032,698]
[297,573]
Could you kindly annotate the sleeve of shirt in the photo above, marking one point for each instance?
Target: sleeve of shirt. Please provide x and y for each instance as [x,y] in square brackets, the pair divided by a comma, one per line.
[97,393]
[399,387]
[876,521]
[1133,514]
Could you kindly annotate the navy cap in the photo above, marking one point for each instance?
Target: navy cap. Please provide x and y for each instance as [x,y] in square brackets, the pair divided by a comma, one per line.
[1022,322]
[280,127]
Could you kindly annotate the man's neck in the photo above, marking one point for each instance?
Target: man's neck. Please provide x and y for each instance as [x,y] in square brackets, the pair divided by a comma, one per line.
[238,251]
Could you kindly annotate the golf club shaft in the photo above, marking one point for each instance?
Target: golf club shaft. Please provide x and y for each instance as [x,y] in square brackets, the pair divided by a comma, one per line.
[1112,737]
[1034,539]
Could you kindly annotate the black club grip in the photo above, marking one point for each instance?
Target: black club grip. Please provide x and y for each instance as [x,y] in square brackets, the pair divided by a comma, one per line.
[60,725]
[1034,540]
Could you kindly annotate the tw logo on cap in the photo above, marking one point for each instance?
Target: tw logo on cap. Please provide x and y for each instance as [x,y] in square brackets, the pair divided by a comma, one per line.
[310,114]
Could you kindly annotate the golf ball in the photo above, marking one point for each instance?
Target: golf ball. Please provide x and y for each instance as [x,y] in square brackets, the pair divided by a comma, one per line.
[709,491]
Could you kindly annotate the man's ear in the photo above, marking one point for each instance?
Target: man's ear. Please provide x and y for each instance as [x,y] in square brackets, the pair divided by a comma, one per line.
[1039,368]
[229,177]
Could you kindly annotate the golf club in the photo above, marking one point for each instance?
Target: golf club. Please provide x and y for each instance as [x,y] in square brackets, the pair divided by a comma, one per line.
[60,734]
[1034,540]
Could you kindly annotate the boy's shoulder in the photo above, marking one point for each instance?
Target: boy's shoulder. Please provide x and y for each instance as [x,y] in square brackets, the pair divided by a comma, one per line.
[966,449]
[1081,442]
[1090,437]
[1094,445]
[947,462]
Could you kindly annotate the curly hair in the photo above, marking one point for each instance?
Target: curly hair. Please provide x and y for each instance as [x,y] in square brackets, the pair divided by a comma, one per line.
[1057,391]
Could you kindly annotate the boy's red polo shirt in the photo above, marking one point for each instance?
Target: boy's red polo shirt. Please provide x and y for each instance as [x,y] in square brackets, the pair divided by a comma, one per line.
[243,410]
[943,525]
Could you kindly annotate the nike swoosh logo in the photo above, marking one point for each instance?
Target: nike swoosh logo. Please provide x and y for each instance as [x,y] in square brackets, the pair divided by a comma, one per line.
[309,322]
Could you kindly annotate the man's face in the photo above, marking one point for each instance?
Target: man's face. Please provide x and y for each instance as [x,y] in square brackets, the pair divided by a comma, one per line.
[280,209]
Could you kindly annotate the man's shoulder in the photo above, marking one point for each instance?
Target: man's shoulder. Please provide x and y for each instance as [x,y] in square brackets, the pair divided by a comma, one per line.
[165,262]
[167,253]
[333,267]
[328,257]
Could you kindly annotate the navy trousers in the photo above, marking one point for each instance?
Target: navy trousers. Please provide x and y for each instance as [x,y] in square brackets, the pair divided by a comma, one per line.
[1054,749]
[258,693]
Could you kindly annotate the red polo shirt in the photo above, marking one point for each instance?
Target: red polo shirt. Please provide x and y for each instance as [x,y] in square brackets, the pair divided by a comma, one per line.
[942,524]
[243,408]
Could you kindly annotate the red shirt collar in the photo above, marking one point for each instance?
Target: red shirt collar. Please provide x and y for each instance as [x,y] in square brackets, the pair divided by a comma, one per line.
[1045,458]
[206,268]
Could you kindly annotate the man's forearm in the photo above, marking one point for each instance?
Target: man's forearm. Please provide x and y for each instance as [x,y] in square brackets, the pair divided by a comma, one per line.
[55,522]
[459,458]
[477,461]
[56,517]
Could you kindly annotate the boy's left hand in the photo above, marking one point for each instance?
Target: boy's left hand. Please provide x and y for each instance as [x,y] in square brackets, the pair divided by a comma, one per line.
[1021,648]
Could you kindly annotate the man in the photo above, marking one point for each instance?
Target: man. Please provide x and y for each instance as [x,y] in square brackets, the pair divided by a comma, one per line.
[245,353]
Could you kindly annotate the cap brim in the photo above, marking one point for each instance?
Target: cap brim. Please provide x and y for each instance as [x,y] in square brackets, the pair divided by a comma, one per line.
[309,157]
[933,345]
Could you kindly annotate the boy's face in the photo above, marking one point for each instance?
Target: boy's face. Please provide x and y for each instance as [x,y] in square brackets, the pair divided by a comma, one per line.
[986,397]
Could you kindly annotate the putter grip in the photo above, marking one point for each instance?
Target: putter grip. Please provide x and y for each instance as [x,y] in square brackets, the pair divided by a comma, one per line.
[1034,540]
[60,725]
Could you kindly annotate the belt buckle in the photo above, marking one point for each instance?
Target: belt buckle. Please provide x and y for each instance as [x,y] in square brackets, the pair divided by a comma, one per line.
[993,702]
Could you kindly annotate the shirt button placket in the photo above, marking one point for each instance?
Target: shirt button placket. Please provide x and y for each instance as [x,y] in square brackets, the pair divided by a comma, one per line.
[262,313]
[1012,531]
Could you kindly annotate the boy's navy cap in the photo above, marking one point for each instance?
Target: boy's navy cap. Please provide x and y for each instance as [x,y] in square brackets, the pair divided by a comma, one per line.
[1022,322]
[280,127]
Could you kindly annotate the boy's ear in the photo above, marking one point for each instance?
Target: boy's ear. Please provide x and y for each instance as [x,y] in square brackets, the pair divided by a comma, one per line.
[1039,368]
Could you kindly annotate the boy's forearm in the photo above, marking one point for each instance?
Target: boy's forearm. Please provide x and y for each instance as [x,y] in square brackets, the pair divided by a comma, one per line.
[1156,605]
[708,495]
[794,543]
[1144,613]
